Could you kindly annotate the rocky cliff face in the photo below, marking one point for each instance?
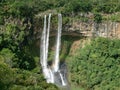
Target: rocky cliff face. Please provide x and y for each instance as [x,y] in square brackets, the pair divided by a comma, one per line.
[76,27]
[104,29]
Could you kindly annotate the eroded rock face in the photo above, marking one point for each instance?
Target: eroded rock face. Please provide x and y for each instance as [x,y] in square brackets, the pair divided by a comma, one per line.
[79,28]
[78,44]
[104,29]
[118,30]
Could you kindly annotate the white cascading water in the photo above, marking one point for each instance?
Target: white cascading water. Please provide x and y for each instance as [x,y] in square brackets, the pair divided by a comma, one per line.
[47,37]
[58,43]
[57,50]
[42,48]
[50,72]
[44,45]
[62,80]
[43,51]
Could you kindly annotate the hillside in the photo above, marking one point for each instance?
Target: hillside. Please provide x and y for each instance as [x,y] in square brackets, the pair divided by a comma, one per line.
[92,61]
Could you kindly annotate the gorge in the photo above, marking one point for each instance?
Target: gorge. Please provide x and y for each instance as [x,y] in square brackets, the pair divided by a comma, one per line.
[60,44]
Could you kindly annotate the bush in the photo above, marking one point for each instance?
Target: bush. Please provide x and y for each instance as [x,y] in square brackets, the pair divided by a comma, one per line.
[97,65]
[26,80]
[97,18]
[6,76]
[8,56]
[78,6]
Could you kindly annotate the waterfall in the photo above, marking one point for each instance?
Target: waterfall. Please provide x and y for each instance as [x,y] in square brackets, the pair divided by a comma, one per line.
[51,74]
[57,50]
[43,48]
[62,80]
[47,37]
[58,43]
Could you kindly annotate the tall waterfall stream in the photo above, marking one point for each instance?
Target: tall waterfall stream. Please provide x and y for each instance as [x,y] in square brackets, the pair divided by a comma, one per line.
[54,73]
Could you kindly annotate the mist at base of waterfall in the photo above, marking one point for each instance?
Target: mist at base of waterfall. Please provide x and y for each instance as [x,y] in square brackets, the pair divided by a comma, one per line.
[57,77]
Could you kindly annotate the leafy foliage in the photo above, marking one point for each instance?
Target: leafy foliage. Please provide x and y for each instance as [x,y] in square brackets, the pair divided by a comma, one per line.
[97,65]
[97,18]
[6,76]
[19,68]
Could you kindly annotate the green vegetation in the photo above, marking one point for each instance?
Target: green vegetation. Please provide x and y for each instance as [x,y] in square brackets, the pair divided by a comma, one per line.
[93,67]
[21,74]
[19,68]
[97,65]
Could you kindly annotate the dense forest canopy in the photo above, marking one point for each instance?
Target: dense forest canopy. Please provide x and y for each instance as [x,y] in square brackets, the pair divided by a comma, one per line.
[19,67]
[97,65]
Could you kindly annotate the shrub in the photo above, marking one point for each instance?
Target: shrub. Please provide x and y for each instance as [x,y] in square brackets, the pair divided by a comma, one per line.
[6,76]
[97,65]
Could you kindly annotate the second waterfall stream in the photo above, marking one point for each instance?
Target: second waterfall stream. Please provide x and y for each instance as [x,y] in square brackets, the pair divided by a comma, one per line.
[52,73]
